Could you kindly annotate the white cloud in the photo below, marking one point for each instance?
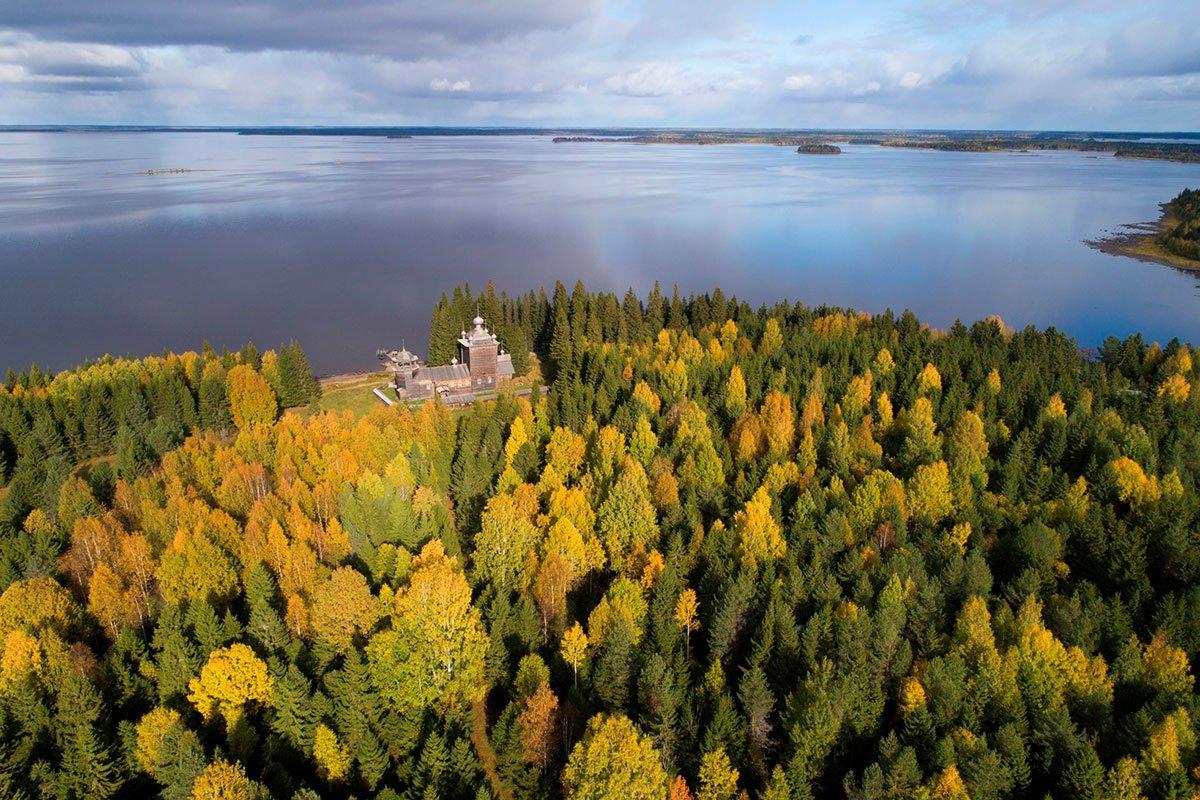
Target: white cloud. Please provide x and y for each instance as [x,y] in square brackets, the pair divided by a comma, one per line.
[25,59]
[997,63]
[648,80]
[444,85]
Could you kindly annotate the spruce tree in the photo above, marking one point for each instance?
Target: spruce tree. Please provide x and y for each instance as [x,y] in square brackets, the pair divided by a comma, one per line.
[442,333]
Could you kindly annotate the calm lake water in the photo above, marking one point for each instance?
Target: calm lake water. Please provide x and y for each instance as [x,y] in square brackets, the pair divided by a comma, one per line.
[345,243]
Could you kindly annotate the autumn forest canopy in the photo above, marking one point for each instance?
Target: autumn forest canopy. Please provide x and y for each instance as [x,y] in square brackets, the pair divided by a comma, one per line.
[781,552]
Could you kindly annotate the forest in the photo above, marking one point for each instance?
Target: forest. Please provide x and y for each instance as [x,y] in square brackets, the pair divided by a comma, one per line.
[729,552]
[1183,234]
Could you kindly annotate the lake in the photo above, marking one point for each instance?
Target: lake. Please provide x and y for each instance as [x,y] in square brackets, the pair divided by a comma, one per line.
[345,243]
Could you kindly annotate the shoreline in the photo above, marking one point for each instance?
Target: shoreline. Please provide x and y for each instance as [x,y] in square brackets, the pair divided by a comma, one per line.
[1141,242]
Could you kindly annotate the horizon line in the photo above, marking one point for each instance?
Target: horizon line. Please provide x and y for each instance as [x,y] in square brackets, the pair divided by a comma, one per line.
[234,127]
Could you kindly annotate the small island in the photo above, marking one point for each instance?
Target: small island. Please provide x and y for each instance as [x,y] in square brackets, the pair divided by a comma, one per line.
[821,149]
[1174,240]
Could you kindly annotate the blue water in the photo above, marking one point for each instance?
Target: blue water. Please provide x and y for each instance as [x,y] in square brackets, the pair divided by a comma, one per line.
[344,244]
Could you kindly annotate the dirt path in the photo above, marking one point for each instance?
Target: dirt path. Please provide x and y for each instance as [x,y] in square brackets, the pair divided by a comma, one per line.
[483,749]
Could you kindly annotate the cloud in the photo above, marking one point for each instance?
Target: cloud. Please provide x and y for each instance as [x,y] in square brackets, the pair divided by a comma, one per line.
[889,63]
[404,28]
[63,66]
[444,85]
[1154,47]
[663,80]
[831,85]
[649,80]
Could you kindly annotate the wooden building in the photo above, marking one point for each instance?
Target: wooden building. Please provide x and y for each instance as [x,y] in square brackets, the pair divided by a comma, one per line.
[481,366]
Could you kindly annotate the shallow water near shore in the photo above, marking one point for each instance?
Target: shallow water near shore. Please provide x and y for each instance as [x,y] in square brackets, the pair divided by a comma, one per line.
[345,243]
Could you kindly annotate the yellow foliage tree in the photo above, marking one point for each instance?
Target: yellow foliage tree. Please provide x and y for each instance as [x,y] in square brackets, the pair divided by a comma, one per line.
[758,533]
[912,696]
[992,382]
[1055,407]
[232,679]
[150,731]
[643,444]
[1134,486]
[344,607]
[37,603]
[949,785]
[573,647]
[930,380]
[718,778]
[928,492]
[333,760]
[646,396]
[735,393]
[222,781]
[778,424]
[685,615]
[195,568]
[1169,742]
[614,762]
[1176,389]
[22,658]
[772,338]
[1166,668]
[251,399]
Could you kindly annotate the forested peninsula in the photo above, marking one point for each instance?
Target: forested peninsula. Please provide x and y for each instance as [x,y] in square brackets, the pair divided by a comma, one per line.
[1174,240]
[731,552]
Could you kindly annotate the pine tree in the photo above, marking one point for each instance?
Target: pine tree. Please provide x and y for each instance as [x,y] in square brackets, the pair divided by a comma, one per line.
[614,666]
[443,332]
[562,340]
[86,768]
[214,403]
[266,625]
[631,308]
[180,760]
[290,709]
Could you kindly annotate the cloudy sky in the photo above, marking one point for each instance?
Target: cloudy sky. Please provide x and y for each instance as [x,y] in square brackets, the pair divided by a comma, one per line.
[1034,64]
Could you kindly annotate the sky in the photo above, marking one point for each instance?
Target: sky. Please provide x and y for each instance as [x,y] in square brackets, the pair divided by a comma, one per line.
[1023,64]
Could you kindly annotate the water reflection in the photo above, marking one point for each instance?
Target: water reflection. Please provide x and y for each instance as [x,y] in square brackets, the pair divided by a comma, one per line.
[345,243]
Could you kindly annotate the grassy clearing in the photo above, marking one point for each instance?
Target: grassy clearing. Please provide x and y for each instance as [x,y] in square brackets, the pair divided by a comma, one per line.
[353,393]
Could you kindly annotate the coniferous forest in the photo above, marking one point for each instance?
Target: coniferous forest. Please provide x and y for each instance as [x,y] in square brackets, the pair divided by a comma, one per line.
[1183,236]
[779,552]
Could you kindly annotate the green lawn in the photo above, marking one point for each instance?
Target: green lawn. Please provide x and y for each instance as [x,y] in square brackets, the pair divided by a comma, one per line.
[355,395]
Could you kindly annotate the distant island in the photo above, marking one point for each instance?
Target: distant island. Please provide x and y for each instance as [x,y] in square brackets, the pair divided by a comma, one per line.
[1173,240]
[819,149]
[1182,146]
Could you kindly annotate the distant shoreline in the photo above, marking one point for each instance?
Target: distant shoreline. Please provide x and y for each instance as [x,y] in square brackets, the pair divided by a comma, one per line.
[1181,146]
